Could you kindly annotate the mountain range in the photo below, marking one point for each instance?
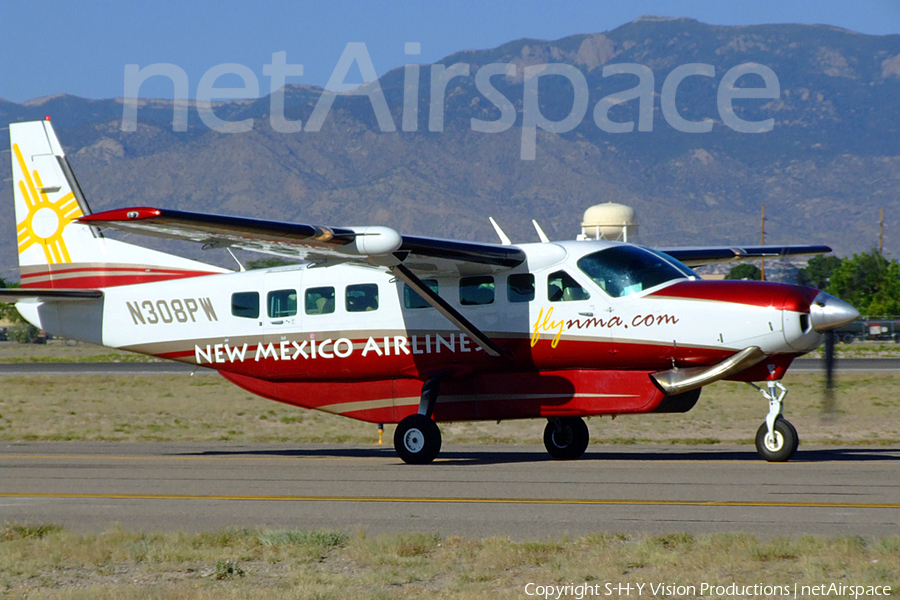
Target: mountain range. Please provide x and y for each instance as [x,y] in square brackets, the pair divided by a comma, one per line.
[828,165]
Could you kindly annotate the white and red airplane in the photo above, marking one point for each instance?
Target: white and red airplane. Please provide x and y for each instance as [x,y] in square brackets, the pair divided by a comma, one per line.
[390,328]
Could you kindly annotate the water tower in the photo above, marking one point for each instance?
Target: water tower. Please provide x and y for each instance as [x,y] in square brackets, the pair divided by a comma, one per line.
[611,221]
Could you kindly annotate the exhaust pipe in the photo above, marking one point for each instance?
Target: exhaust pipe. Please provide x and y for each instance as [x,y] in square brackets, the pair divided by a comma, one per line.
[675,381]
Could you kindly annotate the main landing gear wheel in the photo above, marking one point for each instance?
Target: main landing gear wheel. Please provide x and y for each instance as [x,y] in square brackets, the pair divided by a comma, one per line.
[417,440]
[567,438]
[781,445]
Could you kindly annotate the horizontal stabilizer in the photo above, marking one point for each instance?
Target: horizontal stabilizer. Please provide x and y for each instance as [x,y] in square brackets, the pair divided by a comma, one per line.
[699,256]
[55,295]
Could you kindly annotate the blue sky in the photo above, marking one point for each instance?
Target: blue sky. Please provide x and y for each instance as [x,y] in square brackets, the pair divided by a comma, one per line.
[81,48]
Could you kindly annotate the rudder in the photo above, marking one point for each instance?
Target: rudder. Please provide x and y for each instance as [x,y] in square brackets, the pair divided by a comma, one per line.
[55,252]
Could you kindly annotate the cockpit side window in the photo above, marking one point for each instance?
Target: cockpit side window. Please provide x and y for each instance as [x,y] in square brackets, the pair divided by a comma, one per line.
[561,287]
[624,270]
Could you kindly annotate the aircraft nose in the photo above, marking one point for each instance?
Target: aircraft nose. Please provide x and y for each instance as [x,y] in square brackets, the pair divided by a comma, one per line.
[827,312]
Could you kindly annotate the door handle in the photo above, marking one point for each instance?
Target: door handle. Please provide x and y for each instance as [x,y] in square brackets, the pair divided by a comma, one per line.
[276,322]
[586,314]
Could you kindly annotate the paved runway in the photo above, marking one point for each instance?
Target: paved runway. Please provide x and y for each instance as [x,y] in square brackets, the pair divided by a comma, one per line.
[475,491]
[846,365]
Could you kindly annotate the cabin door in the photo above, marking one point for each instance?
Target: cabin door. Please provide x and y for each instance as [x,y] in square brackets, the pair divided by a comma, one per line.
[281,314]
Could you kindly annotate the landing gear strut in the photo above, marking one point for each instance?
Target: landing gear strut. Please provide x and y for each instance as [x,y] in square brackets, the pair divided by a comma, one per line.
[566,438]
[417,438]
[776,439]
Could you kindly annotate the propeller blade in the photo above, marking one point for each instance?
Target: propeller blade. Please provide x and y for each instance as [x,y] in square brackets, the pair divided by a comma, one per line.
[829,405]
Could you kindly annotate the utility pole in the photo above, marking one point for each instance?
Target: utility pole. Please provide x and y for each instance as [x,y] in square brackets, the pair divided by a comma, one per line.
[762,263]
[881,231]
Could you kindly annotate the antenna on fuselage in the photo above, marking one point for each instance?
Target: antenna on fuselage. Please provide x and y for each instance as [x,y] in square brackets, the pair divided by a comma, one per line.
[540,232]
[504,239]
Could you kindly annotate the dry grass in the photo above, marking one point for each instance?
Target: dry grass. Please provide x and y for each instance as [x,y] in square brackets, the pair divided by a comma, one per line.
[861,350]
[60,351]
[207,408]
[50,562]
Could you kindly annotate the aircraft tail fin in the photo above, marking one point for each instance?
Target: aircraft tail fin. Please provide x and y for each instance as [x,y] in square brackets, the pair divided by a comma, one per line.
[56,252]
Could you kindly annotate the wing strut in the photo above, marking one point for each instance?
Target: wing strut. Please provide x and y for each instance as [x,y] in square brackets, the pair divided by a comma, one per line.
[448,311]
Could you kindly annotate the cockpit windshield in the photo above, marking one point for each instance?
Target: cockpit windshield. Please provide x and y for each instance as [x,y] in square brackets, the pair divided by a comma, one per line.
[688,272]
[624,270]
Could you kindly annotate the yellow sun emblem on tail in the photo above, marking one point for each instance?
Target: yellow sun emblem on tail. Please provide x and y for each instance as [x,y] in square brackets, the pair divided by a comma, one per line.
[46,220]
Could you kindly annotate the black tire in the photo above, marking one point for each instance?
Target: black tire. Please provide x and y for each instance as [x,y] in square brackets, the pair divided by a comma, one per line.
[566,439]
[786,441]
[417,440]
[795,436]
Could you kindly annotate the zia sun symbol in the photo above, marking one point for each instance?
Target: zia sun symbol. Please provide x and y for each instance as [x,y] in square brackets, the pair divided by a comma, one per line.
[45,222]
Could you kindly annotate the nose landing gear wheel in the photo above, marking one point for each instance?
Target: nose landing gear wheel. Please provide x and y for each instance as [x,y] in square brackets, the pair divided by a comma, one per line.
[567,438]
[782,445]
[417,440]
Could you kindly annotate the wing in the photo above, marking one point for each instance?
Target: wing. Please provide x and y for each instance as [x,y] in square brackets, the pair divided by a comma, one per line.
[434,256]
[56,295]
[380,246]
[699,256]
[314,243]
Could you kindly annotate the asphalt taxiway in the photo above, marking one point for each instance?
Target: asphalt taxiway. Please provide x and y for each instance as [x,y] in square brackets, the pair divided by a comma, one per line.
[475,491]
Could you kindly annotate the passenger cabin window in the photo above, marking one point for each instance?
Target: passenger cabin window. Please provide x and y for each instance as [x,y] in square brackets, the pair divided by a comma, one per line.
[362,297]
[520,287]
[562,288]
[245,305]
[624,270]
[474,291]
[319,301]
[412,299]
[282,303]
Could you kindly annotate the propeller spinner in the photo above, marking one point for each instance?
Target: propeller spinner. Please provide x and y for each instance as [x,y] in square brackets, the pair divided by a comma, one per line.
[827,313]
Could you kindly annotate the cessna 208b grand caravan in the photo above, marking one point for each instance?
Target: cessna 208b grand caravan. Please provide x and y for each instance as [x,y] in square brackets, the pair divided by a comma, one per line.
[391,328]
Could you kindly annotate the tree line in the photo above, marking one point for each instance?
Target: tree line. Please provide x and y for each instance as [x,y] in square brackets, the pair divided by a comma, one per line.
[19,330]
